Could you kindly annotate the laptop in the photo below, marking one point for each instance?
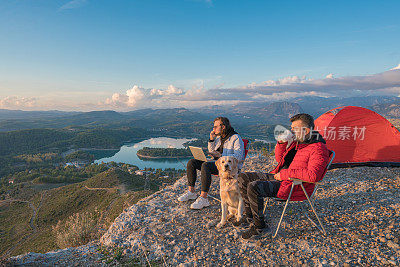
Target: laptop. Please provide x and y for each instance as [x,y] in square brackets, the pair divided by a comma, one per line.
[198,154]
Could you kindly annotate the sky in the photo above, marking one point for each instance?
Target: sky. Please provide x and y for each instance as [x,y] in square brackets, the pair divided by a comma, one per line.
[129,54]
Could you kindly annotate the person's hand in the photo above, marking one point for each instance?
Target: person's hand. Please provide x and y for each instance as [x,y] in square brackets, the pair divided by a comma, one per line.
[285,136]
[277,177]
[215,154]
[212,135]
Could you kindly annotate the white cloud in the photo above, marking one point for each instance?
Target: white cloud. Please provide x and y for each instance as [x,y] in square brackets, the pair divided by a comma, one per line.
[271,90]
[396,68]
[73,4]
[138,97]
[16,102]
[283,81]
[381,82]
[287,95]
[171,90]
[385,83]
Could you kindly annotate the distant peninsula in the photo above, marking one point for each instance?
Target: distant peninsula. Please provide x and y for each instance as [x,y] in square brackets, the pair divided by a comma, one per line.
[163,153]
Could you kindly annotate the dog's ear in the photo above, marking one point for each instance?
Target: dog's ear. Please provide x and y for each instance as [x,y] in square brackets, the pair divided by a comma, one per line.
[235,163]
[218,163]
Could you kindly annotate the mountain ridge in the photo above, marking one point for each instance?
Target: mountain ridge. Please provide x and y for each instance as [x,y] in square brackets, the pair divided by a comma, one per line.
[270,112]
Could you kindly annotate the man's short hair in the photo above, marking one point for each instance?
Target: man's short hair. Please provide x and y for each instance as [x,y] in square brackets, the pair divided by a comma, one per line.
[307,119]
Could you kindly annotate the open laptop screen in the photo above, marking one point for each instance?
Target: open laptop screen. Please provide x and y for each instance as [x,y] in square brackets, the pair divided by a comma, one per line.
[198,153]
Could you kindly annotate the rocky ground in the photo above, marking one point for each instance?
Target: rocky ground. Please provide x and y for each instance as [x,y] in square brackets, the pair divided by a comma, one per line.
[360,208]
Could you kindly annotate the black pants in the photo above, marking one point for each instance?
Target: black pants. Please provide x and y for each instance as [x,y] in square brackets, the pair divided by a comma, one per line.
[207,168]
[254,187]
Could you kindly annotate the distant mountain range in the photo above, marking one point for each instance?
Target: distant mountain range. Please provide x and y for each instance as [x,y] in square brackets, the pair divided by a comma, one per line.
[254,113]
[390,110]
[276,112]
[319,105]
[243,115]
[6,114]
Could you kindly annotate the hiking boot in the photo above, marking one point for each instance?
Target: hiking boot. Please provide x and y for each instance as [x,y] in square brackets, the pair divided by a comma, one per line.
[253,231]
[187,196]
[200,203]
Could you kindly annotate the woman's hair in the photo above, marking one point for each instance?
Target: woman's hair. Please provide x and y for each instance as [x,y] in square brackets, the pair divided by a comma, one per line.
[226,123]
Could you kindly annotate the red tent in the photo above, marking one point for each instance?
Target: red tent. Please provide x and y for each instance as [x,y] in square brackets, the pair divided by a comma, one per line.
[359,136]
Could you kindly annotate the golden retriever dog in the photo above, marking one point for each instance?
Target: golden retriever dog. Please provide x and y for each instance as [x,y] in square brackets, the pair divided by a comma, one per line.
[231,200]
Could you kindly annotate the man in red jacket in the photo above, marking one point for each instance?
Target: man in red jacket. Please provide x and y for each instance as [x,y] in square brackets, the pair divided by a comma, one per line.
[305,158]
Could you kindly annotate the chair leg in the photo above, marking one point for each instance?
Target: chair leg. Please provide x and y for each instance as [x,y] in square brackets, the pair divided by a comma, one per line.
[312,207]
[309,218]
[283,212]
[265,205]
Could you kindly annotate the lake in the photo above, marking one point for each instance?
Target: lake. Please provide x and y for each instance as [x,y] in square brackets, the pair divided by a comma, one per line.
[127,154]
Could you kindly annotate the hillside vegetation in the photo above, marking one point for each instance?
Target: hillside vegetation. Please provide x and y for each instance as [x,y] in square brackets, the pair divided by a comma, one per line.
[154,152]
[39,140]
[30,224]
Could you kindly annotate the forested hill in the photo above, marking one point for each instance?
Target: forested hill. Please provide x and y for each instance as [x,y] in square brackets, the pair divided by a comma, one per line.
[58,140]
[154,152]
[110,119]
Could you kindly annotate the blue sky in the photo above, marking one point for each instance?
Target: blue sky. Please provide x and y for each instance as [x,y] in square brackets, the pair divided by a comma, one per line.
[124,55]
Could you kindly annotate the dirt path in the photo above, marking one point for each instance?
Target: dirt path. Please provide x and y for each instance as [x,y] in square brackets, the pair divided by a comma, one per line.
[32,224]
[99,188]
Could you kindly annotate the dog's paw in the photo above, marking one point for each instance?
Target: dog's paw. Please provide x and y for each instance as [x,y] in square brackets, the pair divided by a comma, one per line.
[220,225]
[238,222]
[212,223]
[230,217]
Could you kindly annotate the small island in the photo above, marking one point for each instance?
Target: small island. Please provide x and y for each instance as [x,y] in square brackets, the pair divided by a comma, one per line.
[163,153]
[197,142]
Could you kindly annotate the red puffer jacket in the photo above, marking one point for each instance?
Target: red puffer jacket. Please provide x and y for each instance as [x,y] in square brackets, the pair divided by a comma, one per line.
[308,164]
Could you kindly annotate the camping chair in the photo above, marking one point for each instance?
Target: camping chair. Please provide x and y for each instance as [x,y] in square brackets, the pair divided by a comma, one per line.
[309,198]
[246,147]
[246,150]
